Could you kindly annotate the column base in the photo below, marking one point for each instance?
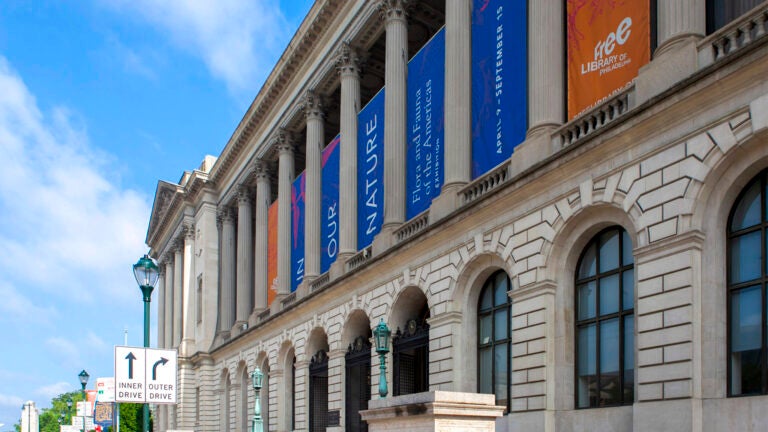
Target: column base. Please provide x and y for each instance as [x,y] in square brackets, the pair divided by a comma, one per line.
[384,239]
[446,203]
[238,329]
[674,61]
[536,147]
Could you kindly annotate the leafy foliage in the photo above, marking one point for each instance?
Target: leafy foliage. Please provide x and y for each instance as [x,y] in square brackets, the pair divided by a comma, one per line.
[59,413]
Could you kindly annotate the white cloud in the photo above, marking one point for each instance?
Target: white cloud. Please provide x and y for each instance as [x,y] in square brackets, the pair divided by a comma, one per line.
[71,231]
[11,401]
[51,391]
[63,349]
[237,39]
[18,306]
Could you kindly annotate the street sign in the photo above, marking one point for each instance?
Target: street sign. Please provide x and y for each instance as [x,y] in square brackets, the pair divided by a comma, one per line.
[161,376]
[105,389]
[145,375]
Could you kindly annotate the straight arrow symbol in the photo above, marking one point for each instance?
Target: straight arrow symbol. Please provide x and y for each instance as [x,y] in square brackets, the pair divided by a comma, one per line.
[163,361]
[130,357]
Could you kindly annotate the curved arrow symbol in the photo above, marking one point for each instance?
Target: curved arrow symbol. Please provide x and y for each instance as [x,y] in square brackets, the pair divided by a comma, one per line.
[163,361]
[130,357]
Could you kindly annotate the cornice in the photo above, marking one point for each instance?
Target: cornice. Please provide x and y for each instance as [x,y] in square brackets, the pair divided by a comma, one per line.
[302,45]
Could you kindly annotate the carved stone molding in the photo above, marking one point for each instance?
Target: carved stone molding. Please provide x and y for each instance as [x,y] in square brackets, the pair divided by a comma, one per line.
[313,105]
[284,141]
[393,9]
[262,171]
[244,195]
[348,60]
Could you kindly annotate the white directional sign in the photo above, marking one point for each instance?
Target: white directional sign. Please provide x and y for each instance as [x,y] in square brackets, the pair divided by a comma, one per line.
[161,376]
[145,375]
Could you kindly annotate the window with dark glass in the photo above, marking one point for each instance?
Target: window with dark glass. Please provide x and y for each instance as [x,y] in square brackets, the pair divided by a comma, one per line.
[721,12]
[494,339]
[747,277]
[605,326]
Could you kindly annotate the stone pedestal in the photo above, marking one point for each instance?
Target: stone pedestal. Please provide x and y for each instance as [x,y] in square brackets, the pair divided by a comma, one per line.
[433,411]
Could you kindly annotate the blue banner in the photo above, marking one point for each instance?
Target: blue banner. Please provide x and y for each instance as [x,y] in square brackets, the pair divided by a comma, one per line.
[298,200]
[370,170]
[499,81]
[426,125]
[329,210]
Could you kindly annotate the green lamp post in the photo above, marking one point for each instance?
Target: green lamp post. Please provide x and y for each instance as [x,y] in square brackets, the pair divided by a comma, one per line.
[146,273]
[257,376]
[381,334]
[83,377]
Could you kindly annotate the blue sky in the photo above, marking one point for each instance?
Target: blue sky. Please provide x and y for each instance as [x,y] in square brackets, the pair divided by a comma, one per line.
[100,99]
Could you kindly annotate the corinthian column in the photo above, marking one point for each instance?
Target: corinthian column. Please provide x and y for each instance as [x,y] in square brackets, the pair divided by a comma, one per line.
[227,312]
[244,256]
[458,93]
[189,318]
[313,108]
[285,177]
[348,65]
[395,73]
[169,282]
[680,19]
[545,67]
[161,303]
[263,196]
[178,267]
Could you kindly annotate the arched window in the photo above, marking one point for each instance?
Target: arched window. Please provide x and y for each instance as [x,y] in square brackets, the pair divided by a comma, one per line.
[747,225]
[494,339]
[605,327]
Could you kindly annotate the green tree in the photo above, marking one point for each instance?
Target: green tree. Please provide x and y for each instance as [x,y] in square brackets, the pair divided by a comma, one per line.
[131,417]
[49,417]
[130,414]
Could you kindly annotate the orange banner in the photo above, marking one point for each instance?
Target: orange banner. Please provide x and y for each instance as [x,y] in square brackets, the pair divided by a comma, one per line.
[608,42]
[272,252]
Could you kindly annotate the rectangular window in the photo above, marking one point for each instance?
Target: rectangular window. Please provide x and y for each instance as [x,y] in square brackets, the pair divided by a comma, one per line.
[721,12]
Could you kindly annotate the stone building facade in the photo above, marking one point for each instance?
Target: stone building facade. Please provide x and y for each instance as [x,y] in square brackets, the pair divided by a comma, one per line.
[657,193]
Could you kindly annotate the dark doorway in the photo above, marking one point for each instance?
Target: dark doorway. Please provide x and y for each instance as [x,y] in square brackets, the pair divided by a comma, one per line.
[410,353]
[358,383]
[318,392]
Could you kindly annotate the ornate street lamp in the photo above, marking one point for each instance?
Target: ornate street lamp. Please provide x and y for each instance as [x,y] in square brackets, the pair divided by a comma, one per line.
[257,376]
[69,408]
[146,273]
[83,377]
[381,334]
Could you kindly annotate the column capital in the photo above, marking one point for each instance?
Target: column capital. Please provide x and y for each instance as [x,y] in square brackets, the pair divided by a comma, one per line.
[225,215]
[348,60]
[284,142]
[178,245]
[313,105]
[243,195]
[188,230]
[393,10]
[262,171]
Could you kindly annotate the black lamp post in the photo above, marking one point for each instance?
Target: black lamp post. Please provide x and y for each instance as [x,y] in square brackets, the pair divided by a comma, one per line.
[381,334]
[146,273]
[257,376]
